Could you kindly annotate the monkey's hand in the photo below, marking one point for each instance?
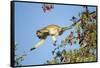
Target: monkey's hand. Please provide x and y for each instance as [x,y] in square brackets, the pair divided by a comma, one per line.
[38,44]
[32,49]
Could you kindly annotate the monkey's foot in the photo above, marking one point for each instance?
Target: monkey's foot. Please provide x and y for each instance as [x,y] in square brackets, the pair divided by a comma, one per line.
[54,44]
[32,49]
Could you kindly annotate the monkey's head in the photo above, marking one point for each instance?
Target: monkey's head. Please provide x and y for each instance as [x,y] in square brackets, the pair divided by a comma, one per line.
[42,35]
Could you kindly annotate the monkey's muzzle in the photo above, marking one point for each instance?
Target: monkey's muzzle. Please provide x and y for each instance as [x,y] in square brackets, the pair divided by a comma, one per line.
[39,37]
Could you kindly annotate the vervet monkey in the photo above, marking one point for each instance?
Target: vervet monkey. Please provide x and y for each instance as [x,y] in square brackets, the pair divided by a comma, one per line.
[50,30]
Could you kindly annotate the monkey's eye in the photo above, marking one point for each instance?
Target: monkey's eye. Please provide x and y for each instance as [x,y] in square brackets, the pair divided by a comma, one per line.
[38,32]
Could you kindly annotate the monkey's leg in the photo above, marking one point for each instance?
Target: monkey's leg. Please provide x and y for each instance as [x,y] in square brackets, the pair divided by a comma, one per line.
[54,40]
[38,44]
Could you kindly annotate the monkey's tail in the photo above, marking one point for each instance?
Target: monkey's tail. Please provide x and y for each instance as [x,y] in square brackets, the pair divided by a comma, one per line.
[66,28]
[69,27]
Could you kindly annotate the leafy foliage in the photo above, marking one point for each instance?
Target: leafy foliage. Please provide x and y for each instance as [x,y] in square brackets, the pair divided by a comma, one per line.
[86,38]
[18,58]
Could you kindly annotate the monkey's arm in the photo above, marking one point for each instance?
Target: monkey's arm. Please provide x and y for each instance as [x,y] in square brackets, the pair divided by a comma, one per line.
[38,44]
[54,40]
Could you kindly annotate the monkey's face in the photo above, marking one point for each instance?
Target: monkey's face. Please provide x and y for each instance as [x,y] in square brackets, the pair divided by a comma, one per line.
[41,35]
